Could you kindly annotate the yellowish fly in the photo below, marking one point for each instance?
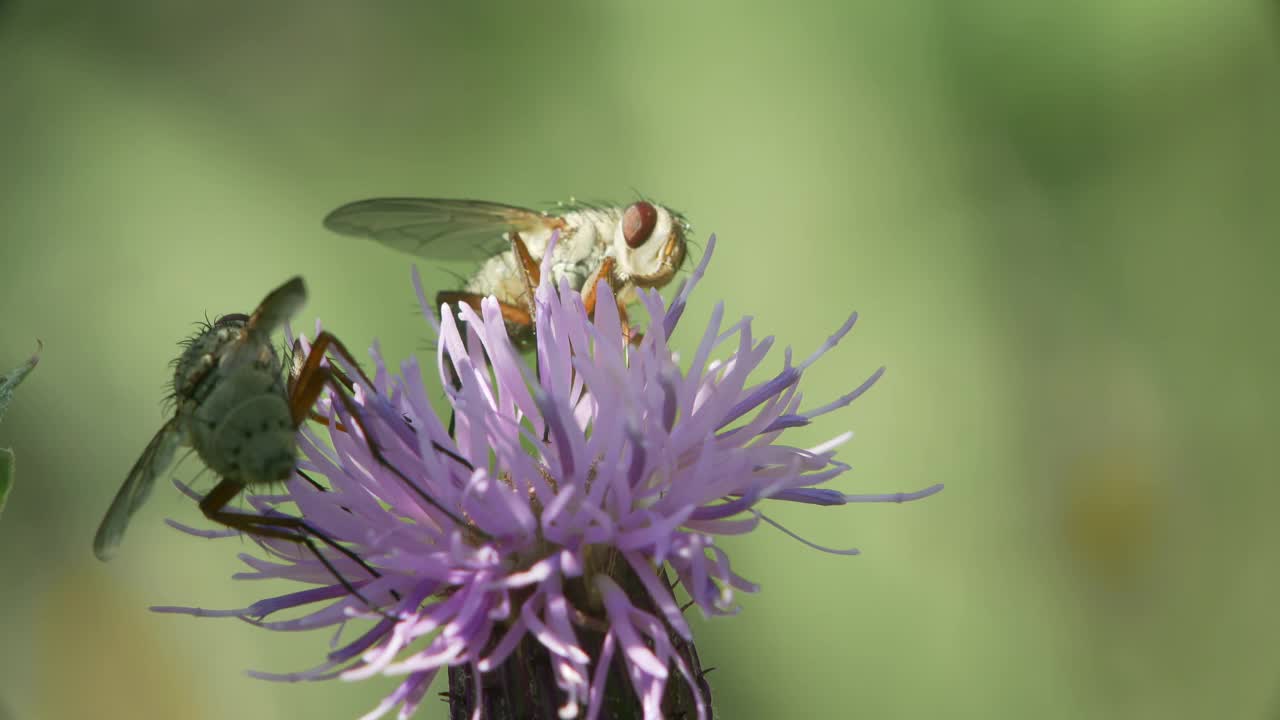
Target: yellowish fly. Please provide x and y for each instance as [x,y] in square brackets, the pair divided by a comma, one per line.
[639,245]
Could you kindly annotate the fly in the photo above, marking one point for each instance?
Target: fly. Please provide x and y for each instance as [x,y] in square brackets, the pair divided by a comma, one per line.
[641,245]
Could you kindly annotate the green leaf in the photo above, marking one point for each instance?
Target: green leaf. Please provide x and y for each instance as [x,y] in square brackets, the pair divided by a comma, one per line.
[9,381]
[14,377]
[6,475]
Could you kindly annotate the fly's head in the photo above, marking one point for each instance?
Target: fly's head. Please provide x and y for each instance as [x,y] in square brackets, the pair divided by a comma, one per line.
[201,353]
[649,243]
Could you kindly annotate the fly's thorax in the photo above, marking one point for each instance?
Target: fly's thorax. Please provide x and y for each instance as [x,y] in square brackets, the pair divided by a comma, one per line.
[194,369]
[579,250]
[243,429]
[589,233]
[580,253]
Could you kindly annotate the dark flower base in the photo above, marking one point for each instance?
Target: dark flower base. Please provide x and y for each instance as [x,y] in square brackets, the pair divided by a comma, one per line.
[524,687]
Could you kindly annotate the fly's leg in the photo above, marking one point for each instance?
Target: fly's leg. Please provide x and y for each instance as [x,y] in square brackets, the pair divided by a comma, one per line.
[307,381]
[517,317]
[295,373]
[510,313]
[530,273]
[298,360]
[519,321]
[311,380]
[282,527]
[632,336]
[606,272]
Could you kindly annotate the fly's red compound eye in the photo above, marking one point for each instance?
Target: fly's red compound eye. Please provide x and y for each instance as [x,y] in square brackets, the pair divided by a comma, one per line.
[638,222]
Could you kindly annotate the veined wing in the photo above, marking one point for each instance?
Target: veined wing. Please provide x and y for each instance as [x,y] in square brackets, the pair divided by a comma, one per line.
[437,228]
[277,307]
[154,460]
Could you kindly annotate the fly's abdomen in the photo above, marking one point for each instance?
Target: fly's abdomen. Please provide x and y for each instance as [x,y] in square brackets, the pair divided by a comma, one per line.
[254,443]
[242,429]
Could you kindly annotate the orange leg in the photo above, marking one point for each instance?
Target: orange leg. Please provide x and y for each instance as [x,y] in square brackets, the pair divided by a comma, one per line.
[304,371]
[511,314]
[311,380]
[519,321]
[605,271]
[299,363]
[310,371]
[280,527]
[633,337]
[530,271]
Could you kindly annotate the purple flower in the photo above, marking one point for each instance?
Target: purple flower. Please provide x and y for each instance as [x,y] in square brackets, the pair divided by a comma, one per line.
[559,506]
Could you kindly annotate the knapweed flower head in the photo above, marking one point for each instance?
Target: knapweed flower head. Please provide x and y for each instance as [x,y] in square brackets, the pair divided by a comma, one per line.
[570,498]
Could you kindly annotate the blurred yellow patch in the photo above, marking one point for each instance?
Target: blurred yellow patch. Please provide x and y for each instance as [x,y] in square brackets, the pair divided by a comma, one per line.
[1109,513]
[97,656]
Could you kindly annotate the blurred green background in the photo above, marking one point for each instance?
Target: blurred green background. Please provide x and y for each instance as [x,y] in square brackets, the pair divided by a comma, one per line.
[1057,219]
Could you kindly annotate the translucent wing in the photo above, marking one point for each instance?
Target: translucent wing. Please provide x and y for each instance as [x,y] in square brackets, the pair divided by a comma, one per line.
[155,459]
[277,307]
[437,228]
